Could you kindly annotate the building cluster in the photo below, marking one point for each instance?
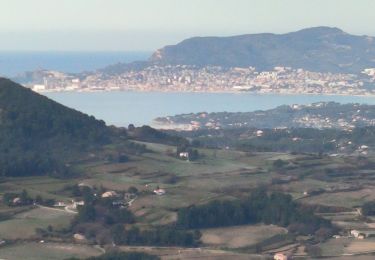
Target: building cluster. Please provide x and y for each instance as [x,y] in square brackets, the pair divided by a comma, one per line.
[344,123]
[184,78]
[306,116]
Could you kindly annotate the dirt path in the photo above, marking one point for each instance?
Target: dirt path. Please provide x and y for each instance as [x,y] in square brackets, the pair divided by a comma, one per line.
[66,209]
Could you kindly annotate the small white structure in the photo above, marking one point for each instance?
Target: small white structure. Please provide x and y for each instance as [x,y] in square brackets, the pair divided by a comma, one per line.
[109,194]
[159,192]
[357,234]
[184,155]
[60,204]
[280,256]
[362,234]
[79,237]
[82,184]
[259,133]
[75,204]
[39,87]
[16,201]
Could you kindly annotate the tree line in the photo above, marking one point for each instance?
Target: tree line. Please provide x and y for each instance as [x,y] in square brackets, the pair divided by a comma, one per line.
[260,207]
[100,216]
[160,236]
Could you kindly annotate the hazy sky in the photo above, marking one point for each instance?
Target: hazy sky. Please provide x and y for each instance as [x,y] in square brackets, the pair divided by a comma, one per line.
[150,24]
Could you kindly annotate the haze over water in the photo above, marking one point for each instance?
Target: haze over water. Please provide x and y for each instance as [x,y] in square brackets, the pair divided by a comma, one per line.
[16,62]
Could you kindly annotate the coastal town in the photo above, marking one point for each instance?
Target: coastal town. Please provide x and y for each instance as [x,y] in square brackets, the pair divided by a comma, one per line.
[320,115]
[187,78]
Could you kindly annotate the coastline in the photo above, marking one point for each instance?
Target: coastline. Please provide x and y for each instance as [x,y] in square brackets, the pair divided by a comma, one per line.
[211,92]
[121,108]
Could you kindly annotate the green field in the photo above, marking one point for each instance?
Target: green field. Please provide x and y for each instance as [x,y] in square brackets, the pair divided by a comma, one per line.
[23,225]
[348,246]
[240,236]
[220,174]
[46,251]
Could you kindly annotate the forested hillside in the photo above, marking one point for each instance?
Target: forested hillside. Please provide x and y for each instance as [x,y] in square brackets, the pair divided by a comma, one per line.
[38,135]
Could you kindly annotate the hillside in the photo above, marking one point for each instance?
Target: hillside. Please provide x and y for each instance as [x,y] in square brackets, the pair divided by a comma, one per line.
[315,49]
[38,135]
[321,115]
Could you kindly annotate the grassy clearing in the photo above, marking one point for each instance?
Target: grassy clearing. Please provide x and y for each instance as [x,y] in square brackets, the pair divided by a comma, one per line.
[47,251]
[38,185]
[342,199]
[240,236]
[23,225]
[347,246]
[299,187]
[335,247]
[220,174]
[361,246]
[176,253]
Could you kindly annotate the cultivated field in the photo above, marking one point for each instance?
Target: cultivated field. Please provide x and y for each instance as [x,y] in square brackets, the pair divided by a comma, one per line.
[348,246]
[240,236]
[222,174]
[176,253]
[47,251]
[23,225]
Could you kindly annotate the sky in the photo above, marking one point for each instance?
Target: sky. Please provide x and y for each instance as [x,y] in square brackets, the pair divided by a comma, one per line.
[145,25]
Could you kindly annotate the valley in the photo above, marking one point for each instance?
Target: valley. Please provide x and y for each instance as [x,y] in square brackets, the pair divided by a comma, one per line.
[78,186]
[184,130]
[219,174]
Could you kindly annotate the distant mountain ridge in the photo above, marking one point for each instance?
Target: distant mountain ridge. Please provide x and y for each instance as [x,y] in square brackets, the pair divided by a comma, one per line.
[323,49]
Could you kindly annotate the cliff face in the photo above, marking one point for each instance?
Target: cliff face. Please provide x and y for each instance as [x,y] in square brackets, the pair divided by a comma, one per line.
[316,49]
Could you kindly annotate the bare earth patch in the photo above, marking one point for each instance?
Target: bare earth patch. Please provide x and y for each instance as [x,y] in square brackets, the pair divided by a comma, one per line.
[239,236]
[359,246]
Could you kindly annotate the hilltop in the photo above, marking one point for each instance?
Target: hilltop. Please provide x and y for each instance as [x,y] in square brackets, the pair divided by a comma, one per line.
[315,191]
[38,135]
[315,49]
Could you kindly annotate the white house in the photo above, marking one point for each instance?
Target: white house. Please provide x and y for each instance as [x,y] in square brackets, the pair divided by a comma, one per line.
[60,204]
[17,201]
[259,133]
[362,234]
[280,256]
[75,204]
[79,237]
[159,192]
[109,194]
[184,155]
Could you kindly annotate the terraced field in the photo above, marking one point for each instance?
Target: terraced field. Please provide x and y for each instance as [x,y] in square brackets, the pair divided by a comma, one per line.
[218,174]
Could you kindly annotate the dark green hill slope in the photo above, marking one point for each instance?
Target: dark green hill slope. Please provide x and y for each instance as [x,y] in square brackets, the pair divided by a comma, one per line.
[38,135]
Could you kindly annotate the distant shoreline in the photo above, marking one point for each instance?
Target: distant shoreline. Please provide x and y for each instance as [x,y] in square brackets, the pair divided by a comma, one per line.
[213,92]
[124,107]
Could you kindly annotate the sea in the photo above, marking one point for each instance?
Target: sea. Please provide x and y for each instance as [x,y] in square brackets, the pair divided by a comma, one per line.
[13,63]
[141,108]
